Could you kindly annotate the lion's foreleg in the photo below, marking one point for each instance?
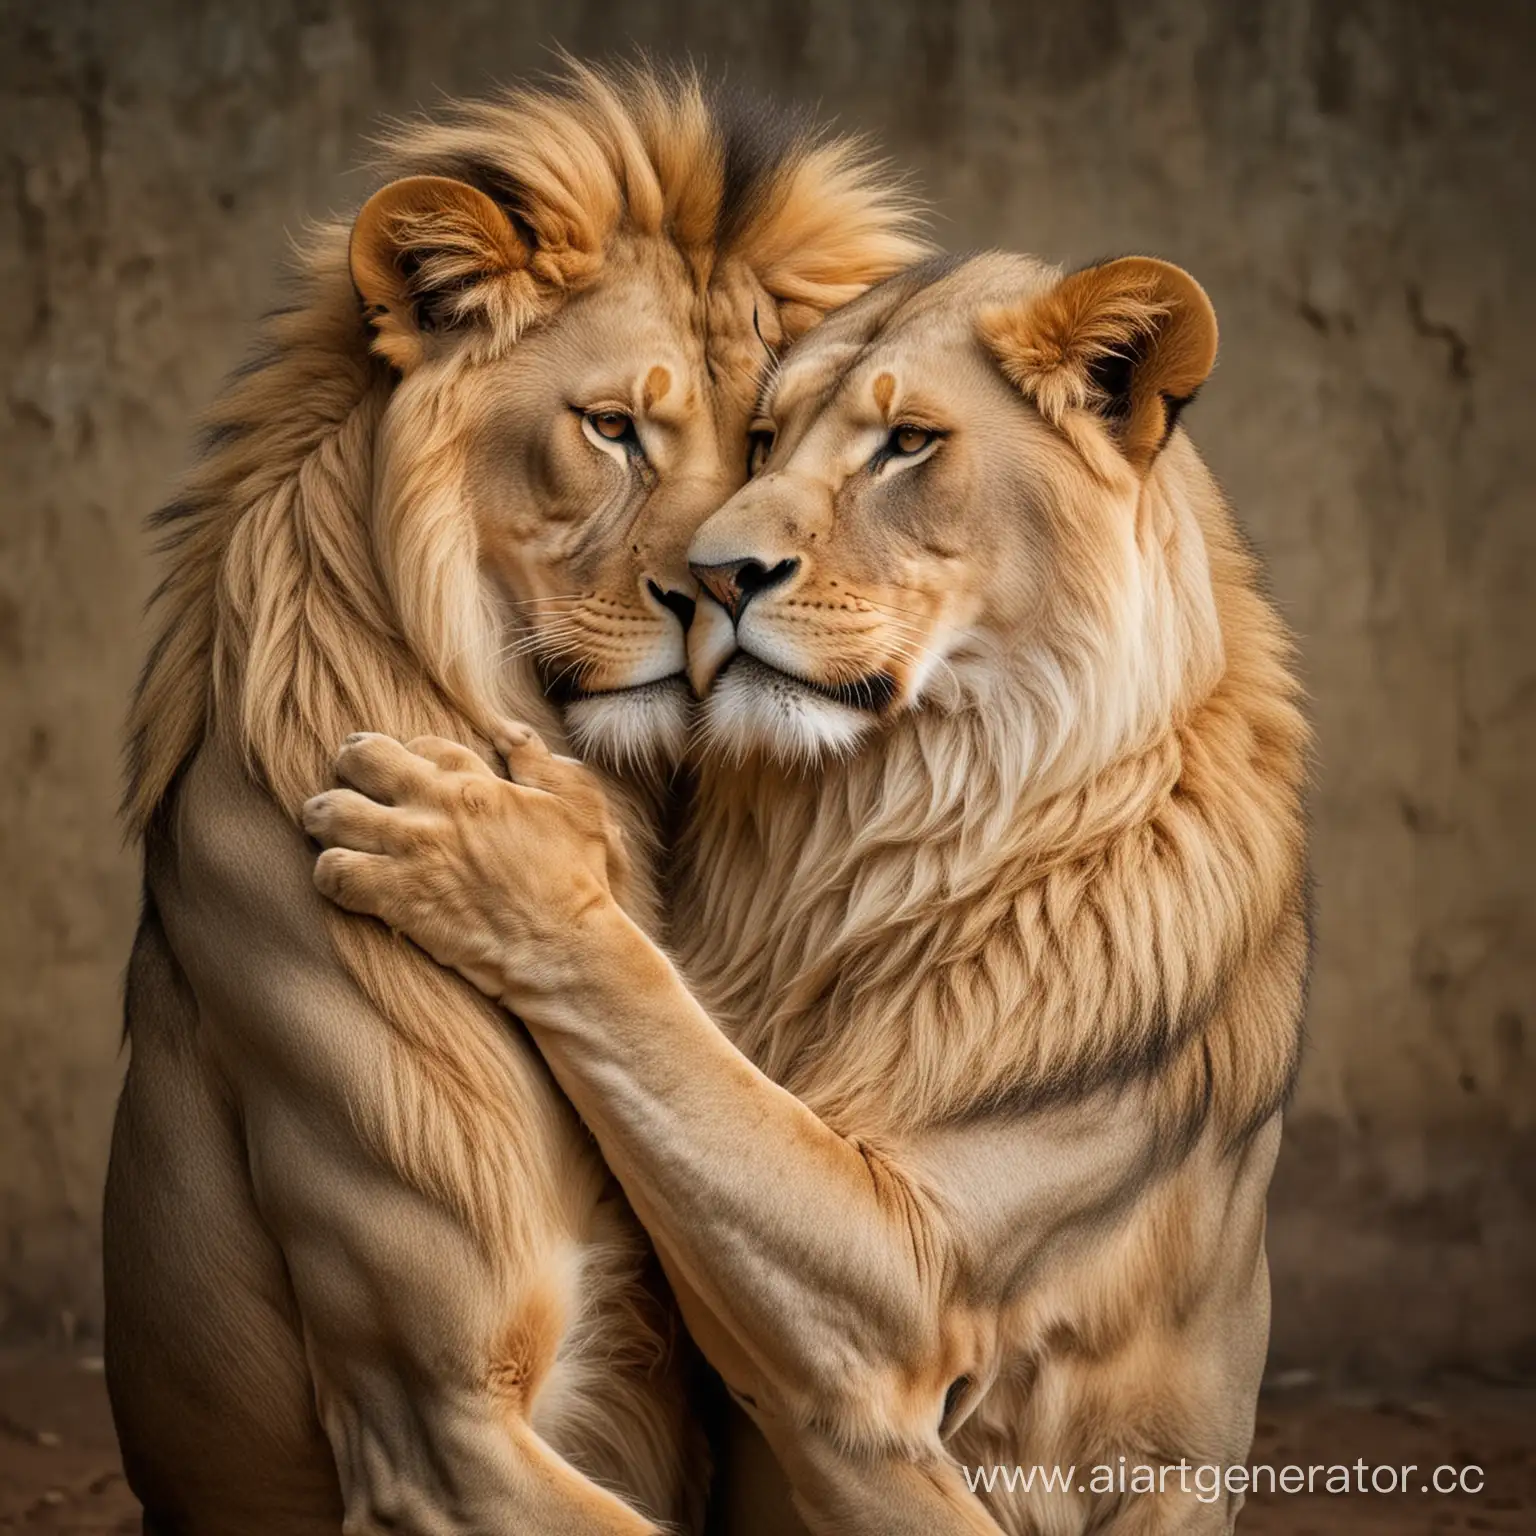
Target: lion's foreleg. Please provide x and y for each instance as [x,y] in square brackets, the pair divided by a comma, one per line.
[871,1492]
[428,1319]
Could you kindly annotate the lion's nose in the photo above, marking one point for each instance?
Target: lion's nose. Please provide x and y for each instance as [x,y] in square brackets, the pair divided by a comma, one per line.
[734,583]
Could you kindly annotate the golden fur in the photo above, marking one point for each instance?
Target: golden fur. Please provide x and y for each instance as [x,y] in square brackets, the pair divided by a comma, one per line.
[1072,857]
[342,557]
[1061,834]
[996,864]
[273,510]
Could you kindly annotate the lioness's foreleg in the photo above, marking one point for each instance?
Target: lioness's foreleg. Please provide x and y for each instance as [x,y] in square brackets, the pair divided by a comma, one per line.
[1175,1513]
[843,1492]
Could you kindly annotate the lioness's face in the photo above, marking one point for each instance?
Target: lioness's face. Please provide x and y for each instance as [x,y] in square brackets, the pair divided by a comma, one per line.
[915,514]
[886,531]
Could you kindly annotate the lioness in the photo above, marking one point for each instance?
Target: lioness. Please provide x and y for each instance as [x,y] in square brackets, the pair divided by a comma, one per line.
[363,1263]
[992,908]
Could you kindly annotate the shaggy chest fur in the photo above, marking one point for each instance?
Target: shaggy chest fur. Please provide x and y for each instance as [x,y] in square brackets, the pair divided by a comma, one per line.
[908,938]
[848,918]
[907,941]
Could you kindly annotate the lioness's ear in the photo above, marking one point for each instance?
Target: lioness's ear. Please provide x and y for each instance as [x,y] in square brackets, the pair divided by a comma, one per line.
[1131,340]
[429,254]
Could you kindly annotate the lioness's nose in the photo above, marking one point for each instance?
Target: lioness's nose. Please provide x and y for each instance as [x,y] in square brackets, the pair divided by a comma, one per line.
[734,583]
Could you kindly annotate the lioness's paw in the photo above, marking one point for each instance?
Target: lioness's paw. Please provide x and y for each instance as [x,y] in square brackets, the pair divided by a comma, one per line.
[342,818]
[450,756]
[531,764]
[353,880]
[381,767]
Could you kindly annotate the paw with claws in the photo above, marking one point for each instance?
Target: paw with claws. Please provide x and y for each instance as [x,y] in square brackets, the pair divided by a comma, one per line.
[492,877]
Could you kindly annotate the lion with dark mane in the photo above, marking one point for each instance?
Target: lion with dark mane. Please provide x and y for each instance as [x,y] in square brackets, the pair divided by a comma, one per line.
[363,1262]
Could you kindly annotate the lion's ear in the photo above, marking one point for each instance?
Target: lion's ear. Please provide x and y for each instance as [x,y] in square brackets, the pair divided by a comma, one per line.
[429,254]
[1131,340]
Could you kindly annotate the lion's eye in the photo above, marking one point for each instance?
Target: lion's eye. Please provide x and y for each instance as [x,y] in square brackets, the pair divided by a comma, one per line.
[906,441]
[759,446]
[616,426]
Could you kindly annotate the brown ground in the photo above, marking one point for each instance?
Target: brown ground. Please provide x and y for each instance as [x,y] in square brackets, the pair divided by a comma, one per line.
[58,1462]
[59,1474]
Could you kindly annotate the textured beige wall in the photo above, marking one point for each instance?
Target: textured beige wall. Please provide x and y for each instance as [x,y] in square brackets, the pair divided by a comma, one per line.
[1351,181]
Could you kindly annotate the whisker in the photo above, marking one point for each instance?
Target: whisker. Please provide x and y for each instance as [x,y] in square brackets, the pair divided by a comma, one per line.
[548,634]
[535,645]
[577,670]
[891,608]
[902,627]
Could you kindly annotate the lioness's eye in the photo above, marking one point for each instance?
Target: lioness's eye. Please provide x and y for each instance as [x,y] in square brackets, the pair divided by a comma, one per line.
[759,446]
[908,440]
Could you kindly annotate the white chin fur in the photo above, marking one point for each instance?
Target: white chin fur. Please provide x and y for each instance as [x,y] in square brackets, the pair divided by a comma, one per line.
[635,730]
[755,709]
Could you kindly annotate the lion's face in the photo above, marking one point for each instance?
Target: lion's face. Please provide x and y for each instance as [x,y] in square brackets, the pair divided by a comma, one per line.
[597,448]
[576,433]
[946,484]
